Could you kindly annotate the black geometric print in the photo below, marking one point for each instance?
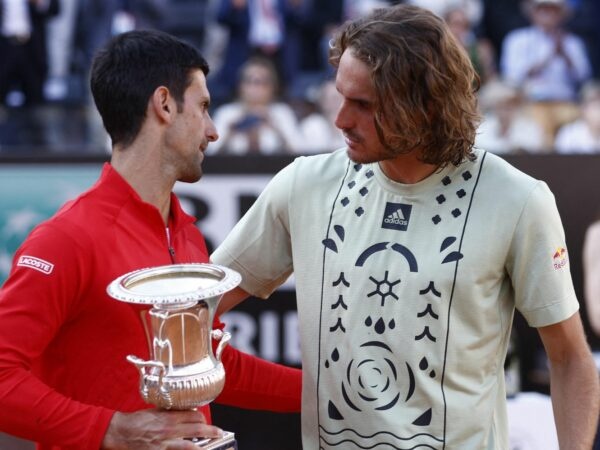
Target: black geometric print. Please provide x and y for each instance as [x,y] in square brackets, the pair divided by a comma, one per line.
[340,303]
[341,279]
[428,311]
[425,334]
[430,288]
[338,326]
[384,288]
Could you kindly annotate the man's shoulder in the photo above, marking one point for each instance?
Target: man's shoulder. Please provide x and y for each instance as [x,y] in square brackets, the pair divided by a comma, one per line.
[497,169]
[306,172]
[89,210]
[336,161]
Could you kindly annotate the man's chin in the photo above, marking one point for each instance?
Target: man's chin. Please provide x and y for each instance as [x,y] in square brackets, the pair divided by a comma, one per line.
[191,177]
[356,156]
[362,158]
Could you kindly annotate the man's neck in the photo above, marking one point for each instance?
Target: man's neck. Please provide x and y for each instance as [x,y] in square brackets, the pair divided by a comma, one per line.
[406,169]
[145,176]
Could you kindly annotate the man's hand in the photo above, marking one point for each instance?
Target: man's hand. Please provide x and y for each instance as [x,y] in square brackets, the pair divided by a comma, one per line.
[157,430]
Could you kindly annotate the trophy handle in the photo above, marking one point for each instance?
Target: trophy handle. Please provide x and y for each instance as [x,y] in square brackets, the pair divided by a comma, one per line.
[145,368]
[223,337]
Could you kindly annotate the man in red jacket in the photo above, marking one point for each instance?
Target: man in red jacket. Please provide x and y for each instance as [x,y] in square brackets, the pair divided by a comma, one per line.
[64,379]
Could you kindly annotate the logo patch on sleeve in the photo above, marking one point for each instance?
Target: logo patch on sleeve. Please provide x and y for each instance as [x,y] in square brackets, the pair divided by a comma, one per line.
[36,263]
[396,216]
[559,258]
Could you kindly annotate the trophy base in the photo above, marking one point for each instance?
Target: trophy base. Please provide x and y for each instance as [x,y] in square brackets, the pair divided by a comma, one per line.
[226,442]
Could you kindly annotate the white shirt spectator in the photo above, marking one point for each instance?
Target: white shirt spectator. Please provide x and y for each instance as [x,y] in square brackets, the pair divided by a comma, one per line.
[525,48]
[266,23]
[527,434]
[473,8]
[15,18]
[506,128]
[583,135]
[319,135]
[576,137]
[523,135]
[318,129]
[281,121]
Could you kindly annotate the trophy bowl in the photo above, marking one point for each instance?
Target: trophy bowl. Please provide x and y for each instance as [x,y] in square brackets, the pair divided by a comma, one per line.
[183,372]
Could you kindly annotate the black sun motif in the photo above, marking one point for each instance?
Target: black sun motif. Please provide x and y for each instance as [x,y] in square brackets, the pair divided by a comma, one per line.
[384,288]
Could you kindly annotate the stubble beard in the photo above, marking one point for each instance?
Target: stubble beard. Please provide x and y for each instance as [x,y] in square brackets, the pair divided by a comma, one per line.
[192,171]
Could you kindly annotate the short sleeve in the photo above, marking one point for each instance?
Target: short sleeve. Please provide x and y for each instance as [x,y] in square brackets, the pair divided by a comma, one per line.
[538,262]
[259,245]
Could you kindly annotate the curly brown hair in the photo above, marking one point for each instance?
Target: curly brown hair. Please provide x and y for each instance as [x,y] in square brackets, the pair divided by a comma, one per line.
[424,81]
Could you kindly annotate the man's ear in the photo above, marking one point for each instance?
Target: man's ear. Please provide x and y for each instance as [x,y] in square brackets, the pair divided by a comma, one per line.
[163,104]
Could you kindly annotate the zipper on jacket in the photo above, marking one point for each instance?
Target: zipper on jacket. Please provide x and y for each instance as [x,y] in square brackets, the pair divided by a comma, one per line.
[169,246]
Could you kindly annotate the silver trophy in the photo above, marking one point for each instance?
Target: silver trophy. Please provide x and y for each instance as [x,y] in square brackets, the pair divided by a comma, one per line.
[183,372]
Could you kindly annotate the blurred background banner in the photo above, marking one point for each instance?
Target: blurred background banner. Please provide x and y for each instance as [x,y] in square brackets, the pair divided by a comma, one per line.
[32,193]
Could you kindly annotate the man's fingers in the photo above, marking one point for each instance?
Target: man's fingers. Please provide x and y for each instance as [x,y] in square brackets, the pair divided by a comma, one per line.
[204,431]
[190,430]
[185,416]
[179,444]
[189,424]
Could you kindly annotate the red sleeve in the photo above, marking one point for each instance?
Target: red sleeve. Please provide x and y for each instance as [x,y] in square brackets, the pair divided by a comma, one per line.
[254,383]
[33,305]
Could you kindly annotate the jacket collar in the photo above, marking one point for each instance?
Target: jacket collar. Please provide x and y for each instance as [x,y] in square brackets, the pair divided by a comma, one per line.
[119,192]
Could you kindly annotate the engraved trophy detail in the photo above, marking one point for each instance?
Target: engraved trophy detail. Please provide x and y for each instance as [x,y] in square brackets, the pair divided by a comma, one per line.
[183,373]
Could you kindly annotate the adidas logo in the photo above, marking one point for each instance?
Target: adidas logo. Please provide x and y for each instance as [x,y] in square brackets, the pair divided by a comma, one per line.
[396,216]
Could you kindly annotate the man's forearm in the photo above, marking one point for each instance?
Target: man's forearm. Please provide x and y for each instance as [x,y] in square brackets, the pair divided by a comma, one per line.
[576,402]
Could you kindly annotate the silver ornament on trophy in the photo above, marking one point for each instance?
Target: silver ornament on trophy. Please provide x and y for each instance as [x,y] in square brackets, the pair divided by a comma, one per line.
[183,373]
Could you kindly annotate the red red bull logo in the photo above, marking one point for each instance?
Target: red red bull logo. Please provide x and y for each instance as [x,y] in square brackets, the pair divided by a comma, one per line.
[559,258]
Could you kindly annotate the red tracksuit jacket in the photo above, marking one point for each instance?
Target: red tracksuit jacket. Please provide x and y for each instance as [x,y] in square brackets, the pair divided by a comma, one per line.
[63,340]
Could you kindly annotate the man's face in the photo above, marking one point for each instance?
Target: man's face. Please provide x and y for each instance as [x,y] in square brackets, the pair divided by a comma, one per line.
[548,16]
[191,131]
[257,86]
[356,116]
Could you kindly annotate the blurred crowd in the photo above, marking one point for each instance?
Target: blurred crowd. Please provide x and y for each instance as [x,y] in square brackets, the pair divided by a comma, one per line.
[272,88]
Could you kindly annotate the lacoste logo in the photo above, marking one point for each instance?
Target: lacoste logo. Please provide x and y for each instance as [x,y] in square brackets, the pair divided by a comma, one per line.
[559,258]
[36,263]
[396,216]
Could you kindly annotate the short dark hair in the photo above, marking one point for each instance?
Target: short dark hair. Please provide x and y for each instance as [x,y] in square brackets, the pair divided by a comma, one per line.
[128,70]
[424,81]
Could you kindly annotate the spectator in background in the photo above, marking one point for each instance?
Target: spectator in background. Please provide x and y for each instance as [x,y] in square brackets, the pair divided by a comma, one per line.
[256,122]
[506,127]
[61,29]
[255,27]
[94,26]
[584,22]
[472,8]
[185,19]
[550,64]
[23,55]
[583,135]
[479,49]
[498,19]
[341,11]
[319,133]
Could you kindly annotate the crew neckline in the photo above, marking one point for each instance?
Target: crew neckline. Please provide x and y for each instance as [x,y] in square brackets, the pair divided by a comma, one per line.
[426,183]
